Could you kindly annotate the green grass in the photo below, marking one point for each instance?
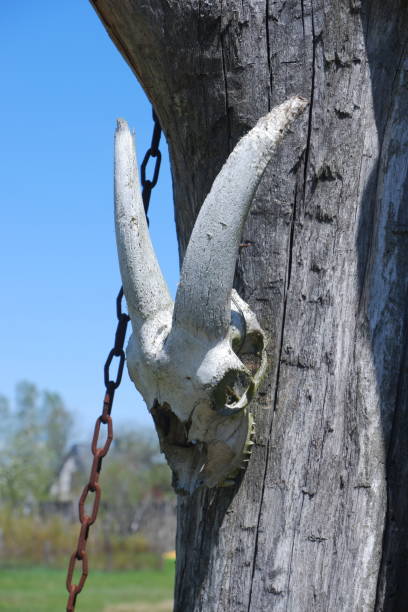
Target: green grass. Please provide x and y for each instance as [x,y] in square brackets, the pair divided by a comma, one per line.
[42,589]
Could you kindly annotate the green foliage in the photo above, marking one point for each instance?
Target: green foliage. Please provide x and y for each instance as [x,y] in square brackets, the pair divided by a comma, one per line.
[58,424]
[27,541]
[34,440]
[32,443]
[5,417]
[134,477]
[133,472]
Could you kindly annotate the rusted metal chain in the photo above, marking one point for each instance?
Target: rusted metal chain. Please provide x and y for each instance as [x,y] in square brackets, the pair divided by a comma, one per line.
[98,451]
[154,151]
[93,487]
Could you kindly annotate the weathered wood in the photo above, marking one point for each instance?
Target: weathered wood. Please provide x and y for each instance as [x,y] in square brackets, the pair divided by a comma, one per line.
[310,527]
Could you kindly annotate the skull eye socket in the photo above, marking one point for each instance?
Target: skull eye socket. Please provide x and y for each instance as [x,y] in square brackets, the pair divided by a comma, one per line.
[246,337]
[251,352]
[233,392]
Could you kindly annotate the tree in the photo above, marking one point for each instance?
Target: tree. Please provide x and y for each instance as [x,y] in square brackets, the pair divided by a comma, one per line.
[32,445]
[319,521]
[58,422]
[135,457]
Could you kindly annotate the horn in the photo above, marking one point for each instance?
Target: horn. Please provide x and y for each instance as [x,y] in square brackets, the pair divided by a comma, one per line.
[203,300]
[144,287]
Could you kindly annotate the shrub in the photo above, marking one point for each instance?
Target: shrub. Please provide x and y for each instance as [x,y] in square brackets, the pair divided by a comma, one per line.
[27,541]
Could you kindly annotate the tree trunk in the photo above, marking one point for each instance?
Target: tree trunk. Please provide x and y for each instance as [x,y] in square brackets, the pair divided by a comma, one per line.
[320,519]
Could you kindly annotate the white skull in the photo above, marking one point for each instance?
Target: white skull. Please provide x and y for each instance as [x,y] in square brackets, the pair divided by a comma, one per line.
[197,362]
[198,394]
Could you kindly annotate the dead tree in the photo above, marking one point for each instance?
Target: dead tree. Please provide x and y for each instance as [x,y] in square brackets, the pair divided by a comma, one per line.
[320,519]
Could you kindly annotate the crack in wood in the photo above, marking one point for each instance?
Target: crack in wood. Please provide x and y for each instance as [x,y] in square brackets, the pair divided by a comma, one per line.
[268,55]
[224,72]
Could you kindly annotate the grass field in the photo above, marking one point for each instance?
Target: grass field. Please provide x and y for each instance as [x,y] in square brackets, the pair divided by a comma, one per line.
[41,589]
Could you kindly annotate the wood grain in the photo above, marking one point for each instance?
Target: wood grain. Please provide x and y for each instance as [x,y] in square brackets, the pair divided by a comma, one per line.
[311,526]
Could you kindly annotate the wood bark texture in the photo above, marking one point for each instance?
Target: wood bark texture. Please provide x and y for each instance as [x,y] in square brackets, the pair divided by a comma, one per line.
[320,519]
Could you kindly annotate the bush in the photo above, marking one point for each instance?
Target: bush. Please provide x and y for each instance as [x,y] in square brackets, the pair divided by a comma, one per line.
[28,541]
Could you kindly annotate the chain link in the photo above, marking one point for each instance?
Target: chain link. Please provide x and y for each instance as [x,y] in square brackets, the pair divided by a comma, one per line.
[154,151]
[93,487]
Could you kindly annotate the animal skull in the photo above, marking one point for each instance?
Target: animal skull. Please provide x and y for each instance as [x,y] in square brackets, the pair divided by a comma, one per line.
[198,361]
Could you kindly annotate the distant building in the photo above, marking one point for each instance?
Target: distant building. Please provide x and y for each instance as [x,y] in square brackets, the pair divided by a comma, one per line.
[154,516]
[75,463]
[70,476]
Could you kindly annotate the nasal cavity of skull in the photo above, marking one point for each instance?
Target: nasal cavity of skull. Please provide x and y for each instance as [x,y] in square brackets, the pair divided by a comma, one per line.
[170,429]
[231,389]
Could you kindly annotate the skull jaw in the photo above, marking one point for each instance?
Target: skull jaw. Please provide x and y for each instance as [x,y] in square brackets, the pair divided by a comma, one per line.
[216,458]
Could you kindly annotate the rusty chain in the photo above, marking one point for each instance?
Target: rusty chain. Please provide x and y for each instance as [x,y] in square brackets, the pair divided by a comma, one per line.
[93,487]
[153,151]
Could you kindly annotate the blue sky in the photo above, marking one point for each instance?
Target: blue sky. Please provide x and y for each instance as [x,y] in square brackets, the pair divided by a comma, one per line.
[64,85]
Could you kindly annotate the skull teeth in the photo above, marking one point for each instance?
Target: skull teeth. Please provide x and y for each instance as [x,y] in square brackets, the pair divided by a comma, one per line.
[249,442]
[245,457]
